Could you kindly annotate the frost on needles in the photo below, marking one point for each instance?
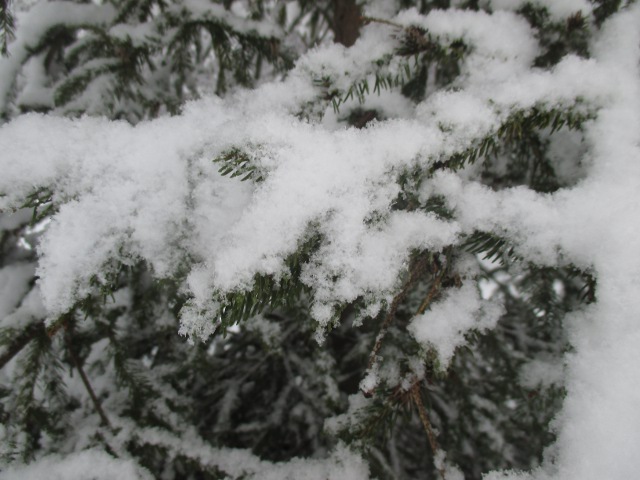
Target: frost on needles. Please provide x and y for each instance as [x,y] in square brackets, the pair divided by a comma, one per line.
[413,257]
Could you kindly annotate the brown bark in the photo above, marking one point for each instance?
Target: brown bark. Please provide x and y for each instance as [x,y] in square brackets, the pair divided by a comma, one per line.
[346,22]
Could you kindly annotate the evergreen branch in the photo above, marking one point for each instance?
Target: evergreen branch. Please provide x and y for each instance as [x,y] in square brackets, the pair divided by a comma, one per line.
[137,8]
[417,40]
[433,291]
[21,341]
[416,43]
[237,163]
[367,20]
[76,83]
[557,39]
[24,408]
[513,130]
[493,246]
[604,9]
[235,51]
[85,380]
[32,410]
[7,26]
[41,201]
[381,419]
[588,290]
[268,291]
[117,57]
[416,272]
[130,375]
[424,418]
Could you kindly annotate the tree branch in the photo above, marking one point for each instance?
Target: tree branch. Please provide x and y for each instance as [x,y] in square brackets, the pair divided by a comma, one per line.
[85,380]
[416,273]
[21,341]
[424,418]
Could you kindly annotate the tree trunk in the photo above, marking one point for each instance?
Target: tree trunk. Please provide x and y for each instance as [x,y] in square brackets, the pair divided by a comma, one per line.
[346,22]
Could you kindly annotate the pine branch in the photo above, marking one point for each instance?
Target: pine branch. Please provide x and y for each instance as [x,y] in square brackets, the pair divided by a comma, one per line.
[424,418]
[41,201]
[514,129]
[85,380]
[235,162]
[557,39]
[7,26]
[269,292]
[21,341]
[416,43]
[433,291]
[416,272]
[368,20]
[494,247]
[604,9]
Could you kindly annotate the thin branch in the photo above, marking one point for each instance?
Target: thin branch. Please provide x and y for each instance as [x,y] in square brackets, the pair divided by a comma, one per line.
[21,341]
[367,20]
[416,273]
[433,291]
[85,380]
[424,418]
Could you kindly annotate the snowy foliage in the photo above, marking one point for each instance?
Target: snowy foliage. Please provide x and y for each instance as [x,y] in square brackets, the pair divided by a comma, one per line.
[490,170]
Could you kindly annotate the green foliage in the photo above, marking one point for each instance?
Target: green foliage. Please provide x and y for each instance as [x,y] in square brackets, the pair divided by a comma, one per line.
[490,246]
[7,25]
[519,128]
[36,406]
[141,74]
[262,383]
[605,8]
[557,39]
[41,201]
[235,162]
[406,68]
[428,52]
[269,292]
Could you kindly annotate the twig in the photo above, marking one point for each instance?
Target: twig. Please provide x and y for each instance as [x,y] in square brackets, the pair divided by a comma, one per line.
[424,418]
[417,271]
[76,362]
[367,20]
[433,291]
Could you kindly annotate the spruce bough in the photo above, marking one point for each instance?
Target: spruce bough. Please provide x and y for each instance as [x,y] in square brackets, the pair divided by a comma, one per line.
[319,239]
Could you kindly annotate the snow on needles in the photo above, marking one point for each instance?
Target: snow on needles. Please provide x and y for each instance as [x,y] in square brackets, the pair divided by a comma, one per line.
[445,323]
[151,193]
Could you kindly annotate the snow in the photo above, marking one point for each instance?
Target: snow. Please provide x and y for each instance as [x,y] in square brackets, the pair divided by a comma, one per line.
[559,10]
[94,464]
[151,192]
[13,285]
[341,463]
[205,9]
[38,20]
[443,326]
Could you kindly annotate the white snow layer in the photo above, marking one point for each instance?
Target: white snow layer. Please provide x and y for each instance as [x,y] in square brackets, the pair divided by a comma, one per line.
[98,465]
[151,192]
[40,18]
[444,324]
[94,464]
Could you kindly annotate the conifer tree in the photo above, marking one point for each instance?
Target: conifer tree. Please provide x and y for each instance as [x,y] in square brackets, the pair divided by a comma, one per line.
[338,239]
